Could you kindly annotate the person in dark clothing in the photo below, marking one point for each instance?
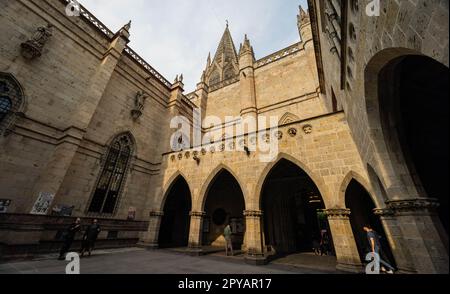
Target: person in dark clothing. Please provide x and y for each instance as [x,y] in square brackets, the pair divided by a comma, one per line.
[324,243]
[375,247]
[69,237]
[89,238]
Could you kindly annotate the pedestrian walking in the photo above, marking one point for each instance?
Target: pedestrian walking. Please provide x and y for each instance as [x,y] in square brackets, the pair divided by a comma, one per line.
[90,237]
[69,237]
[324,243]
[375,247]
[227,233]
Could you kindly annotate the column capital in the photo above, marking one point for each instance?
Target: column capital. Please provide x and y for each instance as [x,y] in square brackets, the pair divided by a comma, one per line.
[253,213]
[156,213]
[413,205]
[384,212]
[197,213]
[337,213]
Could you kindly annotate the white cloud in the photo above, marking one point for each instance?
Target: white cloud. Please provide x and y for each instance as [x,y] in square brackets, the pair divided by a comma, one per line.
[175,36]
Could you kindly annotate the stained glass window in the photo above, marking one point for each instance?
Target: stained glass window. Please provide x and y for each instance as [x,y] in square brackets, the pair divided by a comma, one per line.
[112,178]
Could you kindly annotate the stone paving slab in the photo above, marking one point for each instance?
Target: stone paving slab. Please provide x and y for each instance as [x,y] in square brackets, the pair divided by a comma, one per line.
[141,261]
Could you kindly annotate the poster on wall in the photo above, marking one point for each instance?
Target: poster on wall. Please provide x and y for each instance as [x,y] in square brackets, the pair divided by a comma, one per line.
[43,203]
[131,213]
[4,204]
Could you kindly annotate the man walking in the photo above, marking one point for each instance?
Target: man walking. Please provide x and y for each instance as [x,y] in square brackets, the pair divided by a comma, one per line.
[228,242]
[69,237]
[375,247]
[89,238]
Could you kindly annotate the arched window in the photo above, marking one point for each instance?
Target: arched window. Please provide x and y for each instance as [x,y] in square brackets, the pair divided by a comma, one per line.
[112,178]
[11,100]
[5,107]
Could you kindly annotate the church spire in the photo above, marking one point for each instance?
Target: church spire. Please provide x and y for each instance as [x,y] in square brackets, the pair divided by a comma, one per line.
[225,63]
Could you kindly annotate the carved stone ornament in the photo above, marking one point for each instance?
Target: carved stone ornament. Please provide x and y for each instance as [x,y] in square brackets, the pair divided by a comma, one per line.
[253,213]
[292,132]
[383,212]
[279,135]
[34,46]
[413,205]
[198,214]
[307,129]
[338,213]
[139,105]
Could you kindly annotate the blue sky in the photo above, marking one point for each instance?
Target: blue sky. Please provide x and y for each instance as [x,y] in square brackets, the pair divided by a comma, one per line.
[175,36]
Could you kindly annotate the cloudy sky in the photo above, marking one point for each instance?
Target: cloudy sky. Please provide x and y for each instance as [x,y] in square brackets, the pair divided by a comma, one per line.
[175,36]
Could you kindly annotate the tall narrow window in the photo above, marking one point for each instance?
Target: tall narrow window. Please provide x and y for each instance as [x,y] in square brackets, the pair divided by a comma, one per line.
[112,178]
[11,100]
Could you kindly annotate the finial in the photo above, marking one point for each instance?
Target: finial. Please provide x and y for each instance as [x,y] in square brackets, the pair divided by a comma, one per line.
[127,26]
[181,78]
[176,79]
[227,22]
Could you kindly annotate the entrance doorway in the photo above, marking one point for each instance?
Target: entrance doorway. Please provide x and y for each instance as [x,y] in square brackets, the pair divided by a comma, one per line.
[174,230]
[294,221]
[358,200]
[224,205]
[414,112]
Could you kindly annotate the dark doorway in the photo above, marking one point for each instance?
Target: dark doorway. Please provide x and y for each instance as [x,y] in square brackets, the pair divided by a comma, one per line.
[414,107]
[174,230]
[292,205]
[224,205]
[358,200]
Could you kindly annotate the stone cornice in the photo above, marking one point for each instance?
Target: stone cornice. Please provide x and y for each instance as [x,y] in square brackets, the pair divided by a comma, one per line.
[413,205]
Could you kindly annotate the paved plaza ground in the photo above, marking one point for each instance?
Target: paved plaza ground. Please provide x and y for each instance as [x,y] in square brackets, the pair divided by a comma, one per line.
[141,261]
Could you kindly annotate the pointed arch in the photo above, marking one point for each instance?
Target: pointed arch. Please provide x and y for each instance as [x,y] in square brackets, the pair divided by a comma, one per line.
[169,185]
[288,118]
[352,175]
[210,180]
[318,181]
[176,205]
[125,134]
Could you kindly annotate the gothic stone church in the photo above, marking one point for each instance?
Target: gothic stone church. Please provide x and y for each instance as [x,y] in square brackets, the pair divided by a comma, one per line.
[363,115]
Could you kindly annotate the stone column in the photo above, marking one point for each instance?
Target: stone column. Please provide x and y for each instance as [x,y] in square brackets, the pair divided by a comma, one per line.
[254,242]
[396,242]
[196,232]
[420,226]
[344,241]
[150,238]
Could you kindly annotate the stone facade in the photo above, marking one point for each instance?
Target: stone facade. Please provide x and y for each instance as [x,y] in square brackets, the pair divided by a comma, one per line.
[86,89]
